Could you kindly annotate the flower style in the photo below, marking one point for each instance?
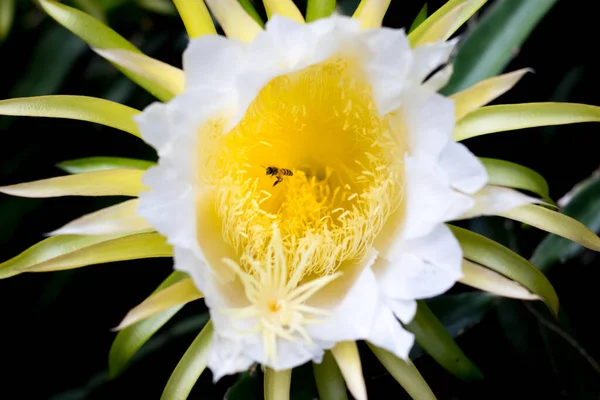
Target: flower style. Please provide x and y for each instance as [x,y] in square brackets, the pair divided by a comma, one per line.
[305,176]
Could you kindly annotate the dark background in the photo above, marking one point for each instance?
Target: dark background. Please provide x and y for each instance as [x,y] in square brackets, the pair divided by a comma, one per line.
[55,327]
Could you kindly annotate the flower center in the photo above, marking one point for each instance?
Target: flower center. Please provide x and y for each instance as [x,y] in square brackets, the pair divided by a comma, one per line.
[313,156]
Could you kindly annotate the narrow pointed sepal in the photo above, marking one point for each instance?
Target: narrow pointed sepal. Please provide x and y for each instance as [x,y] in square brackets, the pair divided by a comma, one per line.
[329,379]
[169,78]
[486,252]
[370,13]
[120,218]
[508,174]
[178,293]
[99,36]
[348,360]
[82,108]
[113,182]
[235,21]
[285,8]
[555,222]
[71,251]
[485,91]
[195,17]
[445,21]
[435,340]
[190,367]
[277,384]
[490,281]
[131,339]
[508,117]
[405,373]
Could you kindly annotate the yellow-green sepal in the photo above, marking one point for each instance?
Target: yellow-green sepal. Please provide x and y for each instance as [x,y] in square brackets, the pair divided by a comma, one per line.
[131,339]
[329,379]
[444,22]
[508,117]
[555,222]
[317,9]
[405,373]
[435,340]
[99,36]
[91,164]
[82,108]
[486,252]
[111,182]
[190,367]
[509,174]
[74,251]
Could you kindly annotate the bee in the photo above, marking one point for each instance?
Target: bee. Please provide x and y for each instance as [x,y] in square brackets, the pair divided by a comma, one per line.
[278,173]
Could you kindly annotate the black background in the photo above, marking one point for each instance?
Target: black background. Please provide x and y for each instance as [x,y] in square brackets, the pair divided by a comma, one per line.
[55,327]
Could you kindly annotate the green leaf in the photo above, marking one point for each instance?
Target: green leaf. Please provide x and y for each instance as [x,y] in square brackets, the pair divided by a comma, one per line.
[163,7]
[93,8]
[72,251]
[421,16]
[583,206]
[99,36]
[493,255]
[405,373]
[329,379]
[490,46]
[435,340]
[554,222]
[80,108]
[317,9]
[90,164]
[506,173]
[510,117]
[131,339]
[251,11]
[7,16]
[57,47]
[190,367]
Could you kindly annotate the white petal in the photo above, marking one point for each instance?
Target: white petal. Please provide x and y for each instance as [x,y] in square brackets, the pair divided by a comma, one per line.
[492,200]
[226,357]
[427,119]
[429,198]
[213,61]
[465,171]
[430,56]
[388,67]
[421,268]
[289,354]
[404,310]
[388,334]
[154,125]
[352,319]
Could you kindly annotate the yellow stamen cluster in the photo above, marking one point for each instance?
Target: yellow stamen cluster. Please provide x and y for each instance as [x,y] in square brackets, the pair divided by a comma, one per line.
[320,123]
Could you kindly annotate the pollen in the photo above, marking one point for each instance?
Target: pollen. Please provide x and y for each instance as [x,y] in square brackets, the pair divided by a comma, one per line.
[322,125]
